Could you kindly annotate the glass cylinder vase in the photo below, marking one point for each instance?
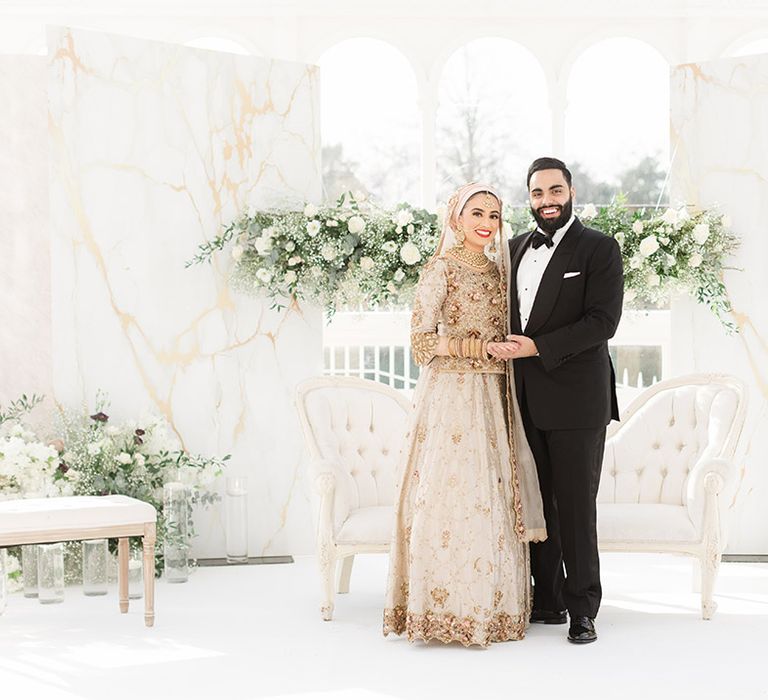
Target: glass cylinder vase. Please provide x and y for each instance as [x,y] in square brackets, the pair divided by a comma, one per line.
[29,570]
[236,513]
[50,573]
[135,574]
[95,558]
[176,543]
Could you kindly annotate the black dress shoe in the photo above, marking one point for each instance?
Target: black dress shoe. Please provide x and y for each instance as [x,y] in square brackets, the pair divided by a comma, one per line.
[582,630]
[549,617]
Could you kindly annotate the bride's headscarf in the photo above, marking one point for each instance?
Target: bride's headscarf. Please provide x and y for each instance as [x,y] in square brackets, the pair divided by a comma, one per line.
[529,511]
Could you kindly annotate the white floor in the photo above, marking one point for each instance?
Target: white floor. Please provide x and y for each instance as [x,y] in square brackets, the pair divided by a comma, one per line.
[255,632]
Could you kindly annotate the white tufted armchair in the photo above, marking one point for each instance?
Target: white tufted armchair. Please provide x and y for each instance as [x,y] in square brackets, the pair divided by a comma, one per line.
[353,430]
[668,474]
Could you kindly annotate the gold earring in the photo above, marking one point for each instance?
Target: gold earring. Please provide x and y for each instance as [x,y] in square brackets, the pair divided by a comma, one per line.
[492,247]
[460,235]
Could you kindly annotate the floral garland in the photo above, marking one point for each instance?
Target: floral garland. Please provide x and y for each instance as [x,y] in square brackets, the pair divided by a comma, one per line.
[356,253]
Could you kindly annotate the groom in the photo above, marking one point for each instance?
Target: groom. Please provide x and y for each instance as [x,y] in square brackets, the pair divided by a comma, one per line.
[566,285]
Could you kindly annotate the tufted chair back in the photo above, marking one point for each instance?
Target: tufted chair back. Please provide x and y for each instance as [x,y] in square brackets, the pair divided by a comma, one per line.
[357,427]
[665,433]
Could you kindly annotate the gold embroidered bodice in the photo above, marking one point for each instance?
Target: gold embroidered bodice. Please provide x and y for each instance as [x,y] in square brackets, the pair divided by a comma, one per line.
[456,300]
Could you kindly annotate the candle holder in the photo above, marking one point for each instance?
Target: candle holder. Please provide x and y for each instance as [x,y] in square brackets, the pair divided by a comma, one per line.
[236,513]
[29,569]
[176,542]
[95,558]
[50,573]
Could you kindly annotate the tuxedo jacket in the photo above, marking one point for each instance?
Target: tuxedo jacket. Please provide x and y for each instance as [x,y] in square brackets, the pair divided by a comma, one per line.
[571,384]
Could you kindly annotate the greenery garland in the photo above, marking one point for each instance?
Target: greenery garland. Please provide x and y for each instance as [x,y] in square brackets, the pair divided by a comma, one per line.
[354,252]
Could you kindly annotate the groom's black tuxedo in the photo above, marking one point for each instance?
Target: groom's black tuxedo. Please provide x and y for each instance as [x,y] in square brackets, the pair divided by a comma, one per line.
[567,396]
[571,384]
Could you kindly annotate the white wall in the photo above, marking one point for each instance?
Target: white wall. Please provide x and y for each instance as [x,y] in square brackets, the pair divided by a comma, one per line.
[720,132]
[153,148]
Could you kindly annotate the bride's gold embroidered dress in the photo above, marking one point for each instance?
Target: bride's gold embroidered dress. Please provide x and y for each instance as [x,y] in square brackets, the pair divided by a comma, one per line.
[459,567]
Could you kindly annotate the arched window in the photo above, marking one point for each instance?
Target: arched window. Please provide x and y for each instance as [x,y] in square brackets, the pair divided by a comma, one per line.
[617,122]
[493,117]
[370,124]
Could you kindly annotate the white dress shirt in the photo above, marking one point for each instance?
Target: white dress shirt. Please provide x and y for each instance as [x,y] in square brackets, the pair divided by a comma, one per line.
[531,270]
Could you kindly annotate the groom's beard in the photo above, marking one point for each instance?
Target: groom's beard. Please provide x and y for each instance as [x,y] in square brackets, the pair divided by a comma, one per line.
[551,225]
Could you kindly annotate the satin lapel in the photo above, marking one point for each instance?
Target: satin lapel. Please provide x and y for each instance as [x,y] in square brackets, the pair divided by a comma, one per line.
[516,255]
[552,279]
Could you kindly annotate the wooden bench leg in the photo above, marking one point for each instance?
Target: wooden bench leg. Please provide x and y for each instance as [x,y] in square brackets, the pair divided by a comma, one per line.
[150,535]
[122,573]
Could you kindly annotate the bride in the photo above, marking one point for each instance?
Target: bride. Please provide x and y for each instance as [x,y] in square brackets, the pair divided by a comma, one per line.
[468,498]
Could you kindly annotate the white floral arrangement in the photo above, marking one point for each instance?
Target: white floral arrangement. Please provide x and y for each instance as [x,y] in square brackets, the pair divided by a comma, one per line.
[355,253]
[343,255]
[91,456]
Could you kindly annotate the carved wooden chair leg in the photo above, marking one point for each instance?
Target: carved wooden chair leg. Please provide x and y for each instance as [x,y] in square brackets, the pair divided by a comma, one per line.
[150,535]
[122,573]
[345,572]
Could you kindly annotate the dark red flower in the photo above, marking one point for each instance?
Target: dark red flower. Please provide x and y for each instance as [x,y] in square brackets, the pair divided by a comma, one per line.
[100,417]
[139,431]
[63,468]
[137,440]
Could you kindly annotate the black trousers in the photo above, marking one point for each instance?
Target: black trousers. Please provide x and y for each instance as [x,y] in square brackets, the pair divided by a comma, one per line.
[569,464]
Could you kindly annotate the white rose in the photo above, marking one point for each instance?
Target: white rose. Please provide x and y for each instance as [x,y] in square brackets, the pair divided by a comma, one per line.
[589,212]
[700,233]
[68,457]
[359,195]
[648,246]
[410,254]
[403,217]
[237,252]
[389,247]
[295,260]
[671,260]
[682,215]
[637,227]
[310,211]
[263,245]
[663,240]
[269,232]
[290,246]
[356,224]
[669,217]
[695,260]
[328,252]
[290,277]
[619,237]
[391,287]
[636,262]
[399,275]
[366,264]
[410,229]
[265,276]
[124,458]
[629,294]
[313,228]
[139,459]
[331,223]
[653,280]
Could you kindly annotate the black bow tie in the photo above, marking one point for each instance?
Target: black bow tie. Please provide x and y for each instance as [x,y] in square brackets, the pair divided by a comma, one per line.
[539,239]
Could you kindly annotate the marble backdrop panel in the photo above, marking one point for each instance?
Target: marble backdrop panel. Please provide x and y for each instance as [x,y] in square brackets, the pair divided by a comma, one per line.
[25,314]
[154,147]
[720,135]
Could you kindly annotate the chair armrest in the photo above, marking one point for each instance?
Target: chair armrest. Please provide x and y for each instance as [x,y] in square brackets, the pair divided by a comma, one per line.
[330,484]
[708,479]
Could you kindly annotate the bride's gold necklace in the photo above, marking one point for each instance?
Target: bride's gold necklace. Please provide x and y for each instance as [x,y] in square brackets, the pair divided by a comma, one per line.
[475,260]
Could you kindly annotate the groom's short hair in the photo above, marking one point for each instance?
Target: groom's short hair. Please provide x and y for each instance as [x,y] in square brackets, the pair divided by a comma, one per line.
[549,163]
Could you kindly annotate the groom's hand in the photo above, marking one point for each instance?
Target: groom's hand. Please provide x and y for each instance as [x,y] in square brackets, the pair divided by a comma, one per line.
[503,351]
[526,346]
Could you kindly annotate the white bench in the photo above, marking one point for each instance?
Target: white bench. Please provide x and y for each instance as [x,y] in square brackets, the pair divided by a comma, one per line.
[42,520]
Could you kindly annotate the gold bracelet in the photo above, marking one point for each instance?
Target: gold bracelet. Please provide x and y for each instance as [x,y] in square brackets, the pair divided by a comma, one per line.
[484,351]
[451,347]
